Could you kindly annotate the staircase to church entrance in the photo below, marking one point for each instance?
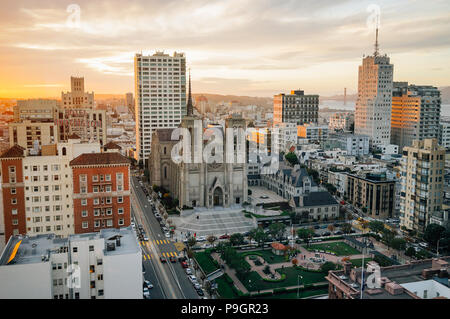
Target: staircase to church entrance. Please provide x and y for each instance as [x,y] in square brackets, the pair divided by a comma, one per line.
[217,221]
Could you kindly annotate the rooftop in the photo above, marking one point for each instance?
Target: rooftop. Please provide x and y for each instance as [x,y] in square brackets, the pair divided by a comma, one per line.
[99,159]
[36,249]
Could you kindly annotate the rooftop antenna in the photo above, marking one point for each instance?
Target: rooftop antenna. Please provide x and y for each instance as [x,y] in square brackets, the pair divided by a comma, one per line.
[377,47]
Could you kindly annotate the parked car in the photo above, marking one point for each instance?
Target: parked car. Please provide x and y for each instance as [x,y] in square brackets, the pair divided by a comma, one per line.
[172,259]
[193,279]
[163,259]
[339,232]
[224,237]
[327,233]
[201,238]
[146,293]
[188,271]
[200,292]
[197,286]
[167,235]
[316,227]
[184,264]
[148,284]
[145,238]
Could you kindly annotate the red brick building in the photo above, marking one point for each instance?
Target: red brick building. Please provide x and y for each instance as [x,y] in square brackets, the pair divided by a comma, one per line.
[13,191]
[101,191]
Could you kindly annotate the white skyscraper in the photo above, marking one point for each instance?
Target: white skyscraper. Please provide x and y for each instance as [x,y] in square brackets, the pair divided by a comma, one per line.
[373,106]
[160,87]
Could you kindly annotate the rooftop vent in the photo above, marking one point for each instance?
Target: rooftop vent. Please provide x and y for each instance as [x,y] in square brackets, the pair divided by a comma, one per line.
[110,246]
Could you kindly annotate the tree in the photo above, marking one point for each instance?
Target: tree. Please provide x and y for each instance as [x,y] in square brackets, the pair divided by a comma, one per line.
[376,226]
[291,158]
[398,243]
[236,239]
[331,228]
[327,266]
[191,241]
[305,233]
[211,239]
[331,188]
[294,262]
[277,230]
[410,252]
[346,228]
[433,233]
[258,235]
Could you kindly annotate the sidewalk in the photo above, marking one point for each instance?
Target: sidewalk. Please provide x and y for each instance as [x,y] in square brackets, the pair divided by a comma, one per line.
[230,272]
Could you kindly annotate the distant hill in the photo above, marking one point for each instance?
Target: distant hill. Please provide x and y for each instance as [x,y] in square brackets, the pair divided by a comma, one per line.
[350,97]
[243,100]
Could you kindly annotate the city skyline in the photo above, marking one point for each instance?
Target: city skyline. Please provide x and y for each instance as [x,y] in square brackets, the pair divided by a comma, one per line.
[279,46]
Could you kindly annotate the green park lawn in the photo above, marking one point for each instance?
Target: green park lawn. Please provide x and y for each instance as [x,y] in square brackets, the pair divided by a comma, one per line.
[254,282]
[339,248]
[205,261]
[357,262]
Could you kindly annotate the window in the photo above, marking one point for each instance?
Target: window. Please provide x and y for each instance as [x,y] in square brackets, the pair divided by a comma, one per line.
[96,201]
[108,188]
[84,213]
[75,249]
[84,225]
[84,202]
[120,210]
[108,177]
[83,190]
[14,211]
[121,222]
[109,211]
[95,189]
[109,223]
[13,201]
[91,248]
[13,190]
[108,200]
[83,178]
[120,199]
[96,223]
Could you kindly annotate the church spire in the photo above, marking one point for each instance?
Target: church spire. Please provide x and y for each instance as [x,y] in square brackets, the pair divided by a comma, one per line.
[190,108]
[377,47]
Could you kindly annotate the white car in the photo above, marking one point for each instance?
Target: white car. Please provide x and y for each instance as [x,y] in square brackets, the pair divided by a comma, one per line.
[146,293]
[201,238]
[145,238]
[167,235]
[423,245]
[188,271]
[193,279]
[197,286]
[148,284]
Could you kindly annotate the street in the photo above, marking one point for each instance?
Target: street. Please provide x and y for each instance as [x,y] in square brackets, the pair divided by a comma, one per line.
[169,279]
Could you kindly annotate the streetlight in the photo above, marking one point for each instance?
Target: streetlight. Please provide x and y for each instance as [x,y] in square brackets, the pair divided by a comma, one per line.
[298,283]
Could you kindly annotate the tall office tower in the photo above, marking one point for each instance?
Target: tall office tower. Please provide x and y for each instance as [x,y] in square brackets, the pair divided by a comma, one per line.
[160,94]
[416,113]
[296,108]
[77,97]
[373,106]
[422,180]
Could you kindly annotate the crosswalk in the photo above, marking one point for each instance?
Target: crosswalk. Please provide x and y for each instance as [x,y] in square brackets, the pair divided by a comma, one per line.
[165,255]
[146,256]
[156,242]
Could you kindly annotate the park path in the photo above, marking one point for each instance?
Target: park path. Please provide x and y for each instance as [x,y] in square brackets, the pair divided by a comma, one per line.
[230,272]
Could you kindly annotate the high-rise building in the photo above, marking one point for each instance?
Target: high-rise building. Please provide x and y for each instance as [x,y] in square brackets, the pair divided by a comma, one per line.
[416,113]
[422,178]
[373,192]
[104,265]
[129,102]
[296,108]
[160,94]
[77,97]
[444,134]
[373,105]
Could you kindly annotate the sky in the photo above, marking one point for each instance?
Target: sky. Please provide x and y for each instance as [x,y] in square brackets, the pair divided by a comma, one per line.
[238,47]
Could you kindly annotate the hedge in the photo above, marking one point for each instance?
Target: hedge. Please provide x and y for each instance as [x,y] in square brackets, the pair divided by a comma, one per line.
[279,290]
[283,277]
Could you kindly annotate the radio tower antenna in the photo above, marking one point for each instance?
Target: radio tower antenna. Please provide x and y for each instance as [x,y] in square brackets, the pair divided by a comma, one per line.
[377,47]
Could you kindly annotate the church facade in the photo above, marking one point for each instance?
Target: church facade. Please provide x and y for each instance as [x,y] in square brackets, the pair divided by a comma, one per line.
[199,184]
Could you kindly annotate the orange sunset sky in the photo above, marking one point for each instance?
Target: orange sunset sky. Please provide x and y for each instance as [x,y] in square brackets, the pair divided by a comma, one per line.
[241,47]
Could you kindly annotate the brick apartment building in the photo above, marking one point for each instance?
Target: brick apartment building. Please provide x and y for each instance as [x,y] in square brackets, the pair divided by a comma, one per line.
[101,191]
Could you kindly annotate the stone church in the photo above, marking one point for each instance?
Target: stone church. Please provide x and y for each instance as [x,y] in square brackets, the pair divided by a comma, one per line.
[199,184]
